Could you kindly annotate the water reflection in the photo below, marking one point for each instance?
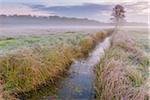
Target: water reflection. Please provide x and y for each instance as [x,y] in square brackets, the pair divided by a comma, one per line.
[79,84]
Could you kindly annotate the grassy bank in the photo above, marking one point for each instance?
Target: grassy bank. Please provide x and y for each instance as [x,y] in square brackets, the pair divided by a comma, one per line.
[123,74]
[25,69]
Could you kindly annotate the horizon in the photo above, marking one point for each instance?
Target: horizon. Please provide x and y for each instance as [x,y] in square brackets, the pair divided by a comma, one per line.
[68,18]
[136,10]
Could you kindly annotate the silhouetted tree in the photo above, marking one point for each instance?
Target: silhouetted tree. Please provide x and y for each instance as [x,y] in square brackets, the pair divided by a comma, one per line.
[118,14]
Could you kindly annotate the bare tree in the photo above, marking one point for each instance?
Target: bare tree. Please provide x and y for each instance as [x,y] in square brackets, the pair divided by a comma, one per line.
[118,15]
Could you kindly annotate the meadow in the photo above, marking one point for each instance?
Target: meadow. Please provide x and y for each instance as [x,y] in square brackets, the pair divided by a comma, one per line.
[29,62]
[12,43]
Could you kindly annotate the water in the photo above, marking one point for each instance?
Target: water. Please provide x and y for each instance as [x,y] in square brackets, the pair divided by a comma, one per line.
[79,84]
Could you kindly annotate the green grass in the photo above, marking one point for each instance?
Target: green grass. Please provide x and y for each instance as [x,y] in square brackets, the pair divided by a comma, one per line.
[48,40]
[7,42]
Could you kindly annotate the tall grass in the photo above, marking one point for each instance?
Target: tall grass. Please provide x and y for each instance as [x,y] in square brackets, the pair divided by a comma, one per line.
[90,41]
[122,74]
[25,69]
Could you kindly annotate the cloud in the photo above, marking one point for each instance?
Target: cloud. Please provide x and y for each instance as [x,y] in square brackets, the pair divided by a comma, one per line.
[20,9]
[80,2]
[70,2]
[138,8]
[83,10]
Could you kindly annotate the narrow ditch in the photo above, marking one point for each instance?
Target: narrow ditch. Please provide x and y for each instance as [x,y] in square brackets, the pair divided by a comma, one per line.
[79,83]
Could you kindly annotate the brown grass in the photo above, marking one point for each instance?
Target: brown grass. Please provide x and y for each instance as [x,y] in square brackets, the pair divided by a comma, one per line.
[24,70]
[119,75]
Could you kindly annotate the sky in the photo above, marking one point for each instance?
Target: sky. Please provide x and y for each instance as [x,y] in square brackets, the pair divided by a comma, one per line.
[136,10]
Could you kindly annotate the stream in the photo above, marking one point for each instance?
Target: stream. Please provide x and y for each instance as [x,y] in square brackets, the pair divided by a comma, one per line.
[79,84]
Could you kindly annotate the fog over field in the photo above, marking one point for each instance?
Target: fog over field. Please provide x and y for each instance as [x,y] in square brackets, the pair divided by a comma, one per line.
[33,25]
[43,30]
